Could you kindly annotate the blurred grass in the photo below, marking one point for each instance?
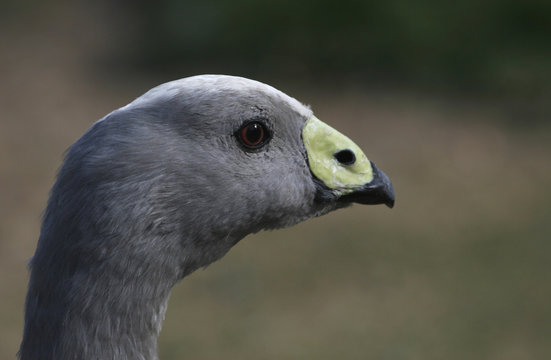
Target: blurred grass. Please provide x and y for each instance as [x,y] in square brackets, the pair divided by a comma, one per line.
[458,269]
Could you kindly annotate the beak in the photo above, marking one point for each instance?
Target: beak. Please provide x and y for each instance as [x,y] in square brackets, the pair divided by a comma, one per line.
[378,191]
[342,167]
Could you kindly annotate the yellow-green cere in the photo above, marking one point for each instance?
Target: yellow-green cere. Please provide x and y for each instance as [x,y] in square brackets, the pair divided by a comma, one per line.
[322,142]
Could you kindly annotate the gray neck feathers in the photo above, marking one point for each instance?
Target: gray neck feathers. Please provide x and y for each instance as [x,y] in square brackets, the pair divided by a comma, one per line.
[114,241]
[97,290]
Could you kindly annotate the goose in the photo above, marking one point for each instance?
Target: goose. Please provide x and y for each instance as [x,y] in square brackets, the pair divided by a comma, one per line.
[166,185]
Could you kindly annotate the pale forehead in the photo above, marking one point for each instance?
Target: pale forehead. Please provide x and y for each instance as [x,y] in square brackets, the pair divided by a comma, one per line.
[215,86]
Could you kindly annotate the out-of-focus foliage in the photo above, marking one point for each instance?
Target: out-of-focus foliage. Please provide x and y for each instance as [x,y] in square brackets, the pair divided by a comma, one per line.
[462,44]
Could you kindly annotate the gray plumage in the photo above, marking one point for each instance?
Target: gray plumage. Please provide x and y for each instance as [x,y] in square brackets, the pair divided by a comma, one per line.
[150,193]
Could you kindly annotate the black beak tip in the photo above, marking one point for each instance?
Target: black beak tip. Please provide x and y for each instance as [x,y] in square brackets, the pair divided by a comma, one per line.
[388,191]
[390,200]
[382,187]
[378,191]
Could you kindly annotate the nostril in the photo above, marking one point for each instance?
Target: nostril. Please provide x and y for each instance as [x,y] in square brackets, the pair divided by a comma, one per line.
[345,157]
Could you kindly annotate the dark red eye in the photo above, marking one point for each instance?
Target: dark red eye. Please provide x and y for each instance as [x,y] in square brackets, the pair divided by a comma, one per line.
[253,134]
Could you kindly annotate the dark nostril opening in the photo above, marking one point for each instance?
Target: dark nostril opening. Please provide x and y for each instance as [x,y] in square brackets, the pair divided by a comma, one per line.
[345,157]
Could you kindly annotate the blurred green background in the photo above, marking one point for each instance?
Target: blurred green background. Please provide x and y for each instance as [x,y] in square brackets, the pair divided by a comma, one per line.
[452,100]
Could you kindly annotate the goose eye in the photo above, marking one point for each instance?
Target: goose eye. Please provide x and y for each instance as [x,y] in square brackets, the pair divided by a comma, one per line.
[253,135]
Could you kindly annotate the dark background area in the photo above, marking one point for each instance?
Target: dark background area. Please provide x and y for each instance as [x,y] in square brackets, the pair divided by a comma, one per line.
[452,100]
[496,49]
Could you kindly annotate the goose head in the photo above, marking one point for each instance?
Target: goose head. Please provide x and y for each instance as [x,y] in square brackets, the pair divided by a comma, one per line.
[168,184]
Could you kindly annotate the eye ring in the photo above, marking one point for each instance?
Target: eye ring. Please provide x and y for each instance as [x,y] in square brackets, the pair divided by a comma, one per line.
[253,135]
